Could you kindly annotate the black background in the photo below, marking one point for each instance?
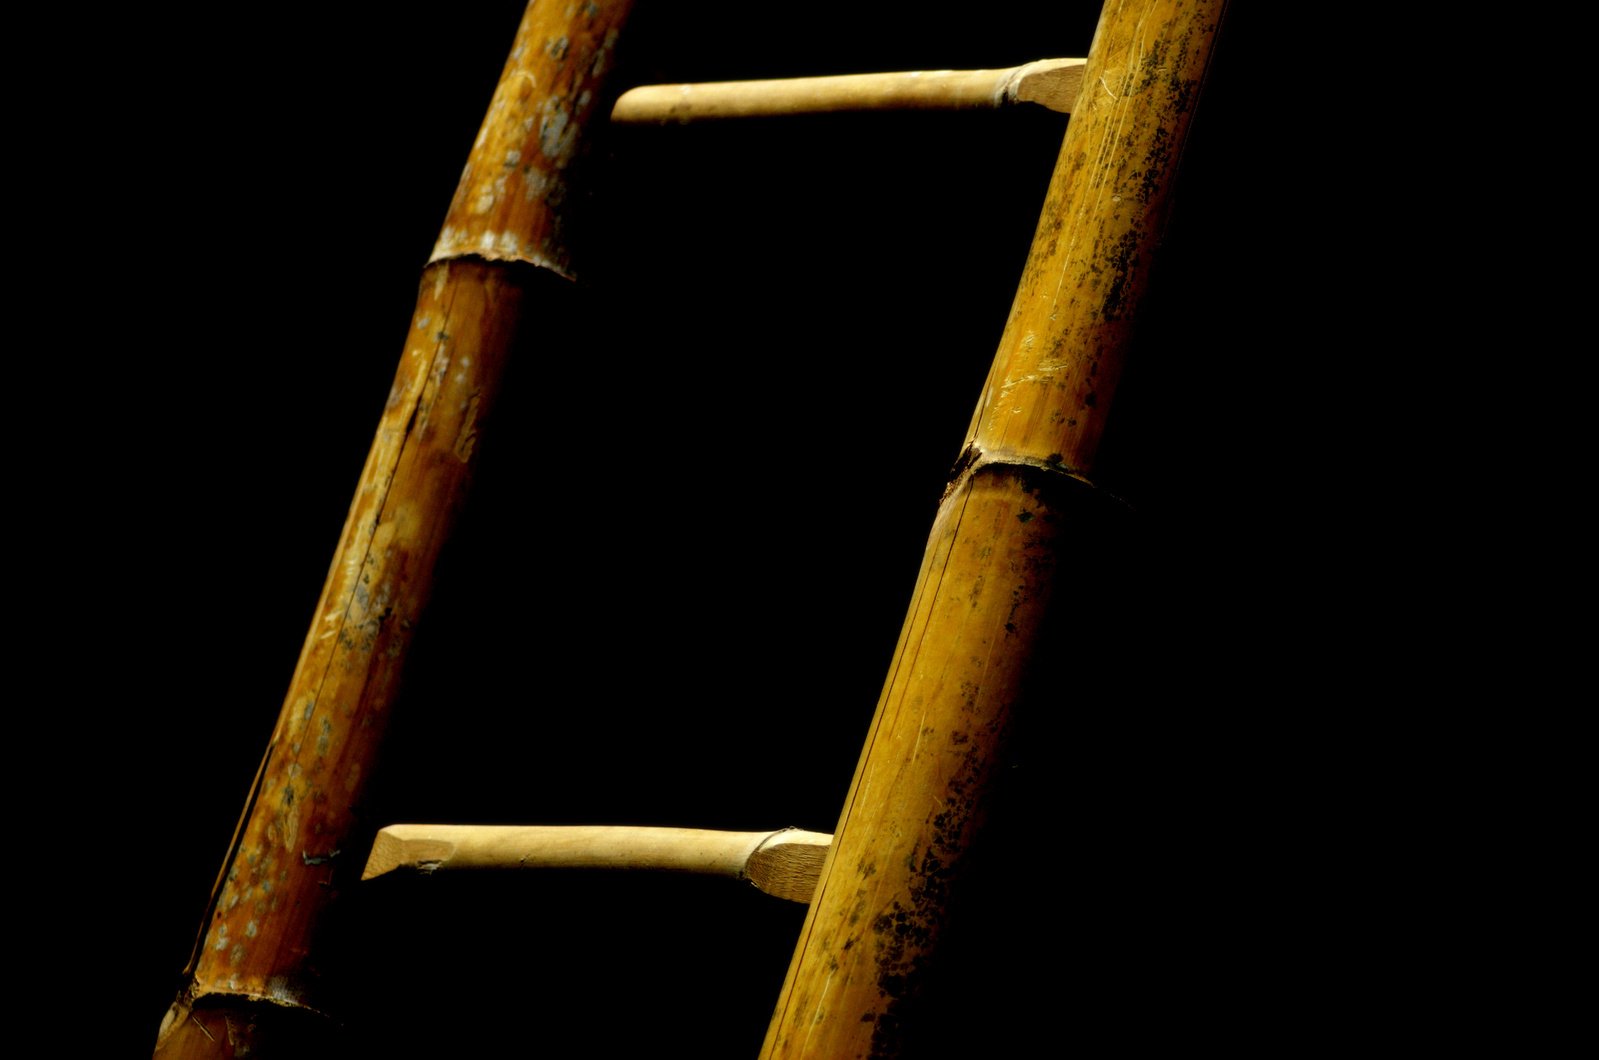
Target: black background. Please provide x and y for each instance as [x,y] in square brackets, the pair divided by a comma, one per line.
[698,515]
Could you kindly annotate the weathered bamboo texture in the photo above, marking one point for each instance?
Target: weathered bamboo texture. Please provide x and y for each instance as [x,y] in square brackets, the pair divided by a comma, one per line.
[1052,83]
[252,983]
[996,562]
[785,863]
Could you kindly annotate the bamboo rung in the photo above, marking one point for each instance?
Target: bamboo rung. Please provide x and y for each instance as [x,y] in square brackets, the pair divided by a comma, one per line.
[785,863]
[1052,83]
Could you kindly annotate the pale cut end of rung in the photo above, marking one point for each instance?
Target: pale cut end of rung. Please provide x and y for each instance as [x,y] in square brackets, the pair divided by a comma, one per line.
[1052,83]
[392,849]
[789,864]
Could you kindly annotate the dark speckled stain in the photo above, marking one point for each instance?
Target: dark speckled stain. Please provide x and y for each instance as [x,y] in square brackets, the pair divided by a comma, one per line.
[1123,258]
[905,935]
[859,910]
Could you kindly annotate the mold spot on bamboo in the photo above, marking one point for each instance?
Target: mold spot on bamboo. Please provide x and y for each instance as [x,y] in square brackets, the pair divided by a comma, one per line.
[281,989]
[396,393]
[535,183]
[556,133]
[602,57]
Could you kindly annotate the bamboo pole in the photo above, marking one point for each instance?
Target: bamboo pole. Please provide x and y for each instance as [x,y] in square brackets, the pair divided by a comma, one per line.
[971,654]
[251,986]
[784,863]
[1051,83]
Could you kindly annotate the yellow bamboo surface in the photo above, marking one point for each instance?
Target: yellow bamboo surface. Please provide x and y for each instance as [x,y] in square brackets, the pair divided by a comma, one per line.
[254,971]
[1001,553]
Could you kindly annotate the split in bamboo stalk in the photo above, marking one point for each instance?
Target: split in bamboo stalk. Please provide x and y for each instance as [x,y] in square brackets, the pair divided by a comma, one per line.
[1052,83]
[784,863]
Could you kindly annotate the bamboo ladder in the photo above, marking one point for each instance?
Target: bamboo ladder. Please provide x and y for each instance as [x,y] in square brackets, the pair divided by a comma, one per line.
[991,591]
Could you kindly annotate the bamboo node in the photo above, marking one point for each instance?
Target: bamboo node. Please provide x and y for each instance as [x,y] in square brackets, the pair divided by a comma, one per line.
[973,460]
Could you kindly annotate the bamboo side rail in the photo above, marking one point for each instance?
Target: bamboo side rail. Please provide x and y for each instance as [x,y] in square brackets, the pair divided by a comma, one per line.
[1005,547]
[252,982]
